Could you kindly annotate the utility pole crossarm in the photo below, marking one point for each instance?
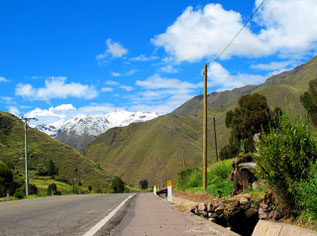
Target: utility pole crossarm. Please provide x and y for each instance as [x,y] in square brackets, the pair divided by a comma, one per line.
[26,120]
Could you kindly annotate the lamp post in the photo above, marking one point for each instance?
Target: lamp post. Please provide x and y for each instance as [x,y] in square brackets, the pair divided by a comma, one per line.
[26,120]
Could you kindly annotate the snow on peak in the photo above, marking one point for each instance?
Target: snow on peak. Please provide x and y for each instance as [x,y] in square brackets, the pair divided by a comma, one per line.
[95,125]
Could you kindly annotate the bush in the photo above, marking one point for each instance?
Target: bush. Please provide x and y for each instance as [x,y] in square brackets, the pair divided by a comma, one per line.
[308,193]
[52,188]
[7,182]
[217,178]
[32,189]
[18,195]
[285,158]
[144,184]
[117,185]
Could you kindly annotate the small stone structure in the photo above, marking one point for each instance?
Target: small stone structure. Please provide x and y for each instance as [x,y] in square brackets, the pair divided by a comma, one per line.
[241,175]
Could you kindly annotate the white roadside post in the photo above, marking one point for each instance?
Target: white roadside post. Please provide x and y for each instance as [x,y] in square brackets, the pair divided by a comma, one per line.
[154,189]
[169,191]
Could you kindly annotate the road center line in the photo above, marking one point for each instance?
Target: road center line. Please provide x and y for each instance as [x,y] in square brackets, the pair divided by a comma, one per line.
[101,223]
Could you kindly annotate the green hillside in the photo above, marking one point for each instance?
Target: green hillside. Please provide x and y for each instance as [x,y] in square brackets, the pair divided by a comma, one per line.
[72,166]
[153,150]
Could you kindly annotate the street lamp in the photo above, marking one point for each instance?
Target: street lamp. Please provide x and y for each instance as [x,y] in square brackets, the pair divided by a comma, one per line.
[26,120]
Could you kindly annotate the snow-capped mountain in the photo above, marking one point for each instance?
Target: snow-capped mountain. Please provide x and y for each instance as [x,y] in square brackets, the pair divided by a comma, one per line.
[93,125]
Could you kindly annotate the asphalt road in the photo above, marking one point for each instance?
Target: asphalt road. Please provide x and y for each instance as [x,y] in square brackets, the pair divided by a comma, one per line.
[60,215]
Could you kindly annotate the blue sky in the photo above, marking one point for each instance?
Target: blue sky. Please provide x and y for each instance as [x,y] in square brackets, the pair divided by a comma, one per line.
[63,58]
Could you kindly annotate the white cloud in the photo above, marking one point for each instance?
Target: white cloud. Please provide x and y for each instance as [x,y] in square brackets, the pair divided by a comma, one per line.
[168,69]
[126,87]
[143,58]
[285,27]
[106,89]
[2,79]
[157,82]
[275,65]
[161,95]
[14,110]
[114,49]
[67,111]
[9,100]
[219,77]
[130,72]
[111,82]
[55,87]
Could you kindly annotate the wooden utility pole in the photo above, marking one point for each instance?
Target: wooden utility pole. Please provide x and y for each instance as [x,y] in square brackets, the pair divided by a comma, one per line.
[215,138]
[205,131]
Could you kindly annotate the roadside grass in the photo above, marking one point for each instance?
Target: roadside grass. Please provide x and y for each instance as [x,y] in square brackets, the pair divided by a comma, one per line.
[218,183]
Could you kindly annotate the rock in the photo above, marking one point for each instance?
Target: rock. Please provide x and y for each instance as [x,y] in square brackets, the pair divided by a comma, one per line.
[264,206]
[196,211]
[209,207]
[263,216]
[262,210]
[191,209]
[244,201]
[212,215]
[214,220]
[250,212]
[205,214]
[219,210]
[202,207]
[277,215]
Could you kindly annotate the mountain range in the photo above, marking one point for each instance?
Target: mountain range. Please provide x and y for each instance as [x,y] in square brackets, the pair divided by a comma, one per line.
[158,149]
[79,131]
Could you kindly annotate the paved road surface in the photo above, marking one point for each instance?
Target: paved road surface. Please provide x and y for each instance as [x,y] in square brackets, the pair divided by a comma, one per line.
[141,214]
[57,215]
[153,216]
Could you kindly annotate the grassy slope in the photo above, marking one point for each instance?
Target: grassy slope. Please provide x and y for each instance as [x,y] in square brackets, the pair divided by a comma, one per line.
[41,149]
[153,150]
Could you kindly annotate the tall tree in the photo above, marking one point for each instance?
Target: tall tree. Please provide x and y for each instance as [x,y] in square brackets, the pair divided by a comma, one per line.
[309,101]
[250,117]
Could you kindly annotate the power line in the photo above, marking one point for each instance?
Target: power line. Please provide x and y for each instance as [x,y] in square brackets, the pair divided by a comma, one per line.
[245,24]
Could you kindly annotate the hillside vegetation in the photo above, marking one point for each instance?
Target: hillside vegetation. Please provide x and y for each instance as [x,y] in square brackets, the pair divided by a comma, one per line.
[153,150]
[71,166]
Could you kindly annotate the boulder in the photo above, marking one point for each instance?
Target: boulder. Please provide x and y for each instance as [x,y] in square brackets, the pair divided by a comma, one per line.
[202,207]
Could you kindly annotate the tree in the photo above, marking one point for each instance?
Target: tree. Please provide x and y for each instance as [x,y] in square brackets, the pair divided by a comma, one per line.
[143,184]
[7,183]
[52,189]
[250,117]
[89,188]
[309,101]
[52,169]
[117,185]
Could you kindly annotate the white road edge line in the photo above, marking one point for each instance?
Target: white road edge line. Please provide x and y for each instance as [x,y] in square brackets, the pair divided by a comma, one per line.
[101,223]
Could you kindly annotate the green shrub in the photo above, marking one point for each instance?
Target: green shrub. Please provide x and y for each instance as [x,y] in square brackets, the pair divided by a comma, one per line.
[117,185]
[18,195]
[284,158]
[217,178]
[52,189]
[144,184]
[308,193]
[32,189]
[7,183]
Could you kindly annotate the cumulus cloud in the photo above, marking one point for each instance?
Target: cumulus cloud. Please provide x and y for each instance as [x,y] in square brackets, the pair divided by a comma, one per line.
[14,110]
[114,49]
[161,95]
[67,111]
[56,87]
[285,27]
[157,82]
[222,79]
[275,65]
[2,79]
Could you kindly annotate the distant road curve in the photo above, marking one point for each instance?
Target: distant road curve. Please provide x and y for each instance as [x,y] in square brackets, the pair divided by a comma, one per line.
[63,215]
